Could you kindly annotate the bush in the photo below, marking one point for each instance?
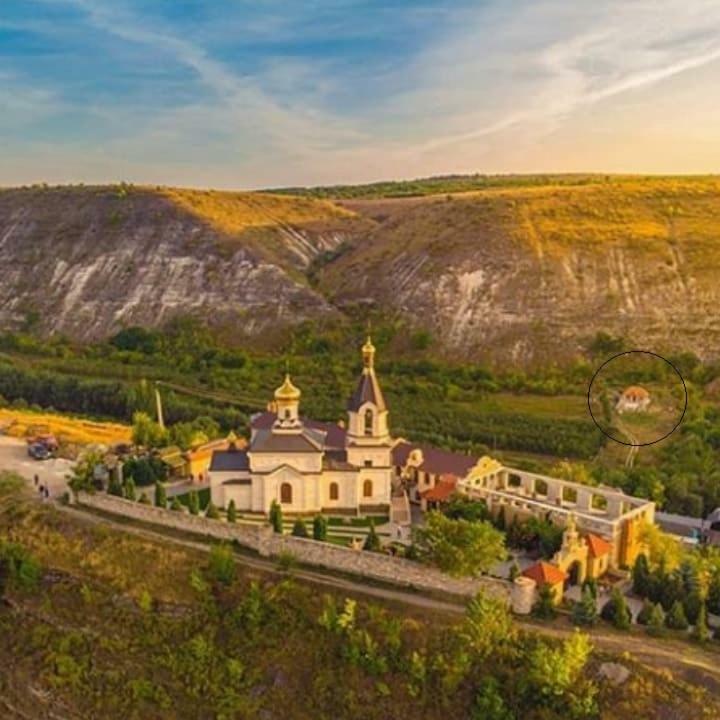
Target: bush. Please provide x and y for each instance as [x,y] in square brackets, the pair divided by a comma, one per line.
[130,492]
[211,511]
[160,495]
[372,539]
[320,528]
[221,565]
[643,617]
[176,505]
[544,607]
[276,518]
[299,529]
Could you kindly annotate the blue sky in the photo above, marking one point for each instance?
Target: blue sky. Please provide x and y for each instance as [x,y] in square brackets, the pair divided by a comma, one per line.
[229,93]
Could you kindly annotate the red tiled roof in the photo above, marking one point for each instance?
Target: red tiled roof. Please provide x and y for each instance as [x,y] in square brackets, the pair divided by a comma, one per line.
[442,491]
[597,546]
[545,574]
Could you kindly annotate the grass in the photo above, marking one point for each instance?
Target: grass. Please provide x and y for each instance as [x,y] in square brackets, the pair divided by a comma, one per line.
[23,423]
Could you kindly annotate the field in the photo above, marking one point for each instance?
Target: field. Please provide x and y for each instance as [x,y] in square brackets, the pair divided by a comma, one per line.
[68,429]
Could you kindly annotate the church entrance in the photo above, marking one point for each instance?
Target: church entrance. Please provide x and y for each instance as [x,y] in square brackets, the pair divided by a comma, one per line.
[574,572]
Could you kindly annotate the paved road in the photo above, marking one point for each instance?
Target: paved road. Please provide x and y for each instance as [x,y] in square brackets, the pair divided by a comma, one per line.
[14,457]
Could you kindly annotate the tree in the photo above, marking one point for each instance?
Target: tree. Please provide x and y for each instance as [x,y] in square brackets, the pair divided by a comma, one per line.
[643,617]
[146,432]
[160,495]
[221,564]
[616,610]
[458,547]
[584,611]
[372,539]
[544,606]
[487,627]
[514,571]
[115,487]
[232,512]
[299,529]
[641,576]
[656,621]
[211,511]
[193,503]
[82,476]
[320,528]
[130,492]
[700,631]
[500,523]
[460,506]
[276,517]
[489,702]
[554,670]
[176,505]
[676,619]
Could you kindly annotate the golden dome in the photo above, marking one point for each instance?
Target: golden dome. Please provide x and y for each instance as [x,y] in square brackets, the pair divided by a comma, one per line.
[287,391]
[368,353]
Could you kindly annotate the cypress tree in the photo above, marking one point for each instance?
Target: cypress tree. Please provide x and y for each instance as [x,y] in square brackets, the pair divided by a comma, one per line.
[276,518]
[130,492]
[160,495]
[701,631]
[193,503]
[299,529]
[676,619]
[231,512]
[656,621]
[643,617]
[584,611]
[545,605]
[320,528]
[616,611]
[115,488]
[641,576]
[372,539]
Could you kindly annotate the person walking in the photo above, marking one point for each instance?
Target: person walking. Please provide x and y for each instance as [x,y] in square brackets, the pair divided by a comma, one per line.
[37,479]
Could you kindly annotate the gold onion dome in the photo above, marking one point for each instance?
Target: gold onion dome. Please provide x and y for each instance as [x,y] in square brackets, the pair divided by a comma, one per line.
[287,391]
[368,347]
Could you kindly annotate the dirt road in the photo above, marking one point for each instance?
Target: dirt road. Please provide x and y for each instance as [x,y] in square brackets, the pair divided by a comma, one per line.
[14,457]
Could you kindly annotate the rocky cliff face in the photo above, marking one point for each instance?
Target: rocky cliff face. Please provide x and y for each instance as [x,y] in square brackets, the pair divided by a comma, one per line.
[87,262]
[515,275]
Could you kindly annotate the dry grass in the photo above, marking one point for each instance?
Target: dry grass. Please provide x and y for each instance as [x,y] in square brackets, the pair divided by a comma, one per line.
[23,423]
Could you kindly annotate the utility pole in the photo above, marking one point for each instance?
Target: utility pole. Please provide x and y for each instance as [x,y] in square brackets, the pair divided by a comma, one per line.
[158,407]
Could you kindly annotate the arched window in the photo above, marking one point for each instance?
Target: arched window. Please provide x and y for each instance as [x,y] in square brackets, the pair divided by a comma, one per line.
[367,488]
[334,491]
[286,493]
[368,422]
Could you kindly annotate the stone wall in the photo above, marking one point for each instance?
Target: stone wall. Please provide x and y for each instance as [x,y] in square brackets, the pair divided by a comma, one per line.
[263,540]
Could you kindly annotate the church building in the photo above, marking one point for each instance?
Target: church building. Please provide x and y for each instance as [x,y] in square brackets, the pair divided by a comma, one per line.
[308,466]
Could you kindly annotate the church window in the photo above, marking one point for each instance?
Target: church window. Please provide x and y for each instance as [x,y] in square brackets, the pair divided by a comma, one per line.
[368,422]
[334,491]
[368,463]
[367,488]
[286,493]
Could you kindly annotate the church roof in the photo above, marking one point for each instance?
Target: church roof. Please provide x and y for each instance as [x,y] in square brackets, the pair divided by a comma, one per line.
[367,390]
[544,574]
[334,433]
[435,461]
[308,440]
[445,487]
[229,461]
[597,546]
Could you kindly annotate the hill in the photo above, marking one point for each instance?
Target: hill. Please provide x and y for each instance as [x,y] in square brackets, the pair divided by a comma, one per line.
[525,269]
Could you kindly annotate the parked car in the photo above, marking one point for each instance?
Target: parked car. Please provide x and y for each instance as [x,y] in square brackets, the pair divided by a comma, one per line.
[38,451]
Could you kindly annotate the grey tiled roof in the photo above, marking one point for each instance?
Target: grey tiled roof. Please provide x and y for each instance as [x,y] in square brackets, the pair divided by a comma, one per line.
[306,441]
[229,461]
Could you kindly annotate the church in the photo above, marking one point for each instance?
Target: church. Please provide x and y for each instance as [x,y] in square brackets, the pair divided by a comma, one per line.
[308,466]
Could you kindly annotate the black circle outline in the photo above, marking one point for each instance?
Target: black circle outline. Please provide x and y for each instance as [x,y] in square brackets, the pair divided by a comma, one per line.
[645,352]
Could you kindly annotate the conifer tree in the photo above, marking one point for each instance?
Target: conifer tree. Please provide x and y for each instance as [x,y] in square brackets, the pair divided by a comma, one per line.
[115,488]
[130,492]
[616,610]
[211,511]
[232,512]
[545,605]
[160,495]
[276,518]
[643,617]
[372,539]
[584,611]
[676,619]
[641,576]
[193,503]
[656,621]
[700,631]
[176,505]
[320,528]
[299,529]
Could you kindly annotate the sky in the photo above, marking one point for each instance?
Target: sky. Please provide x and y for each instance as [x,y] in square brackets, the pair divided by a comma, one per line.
[241,94]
